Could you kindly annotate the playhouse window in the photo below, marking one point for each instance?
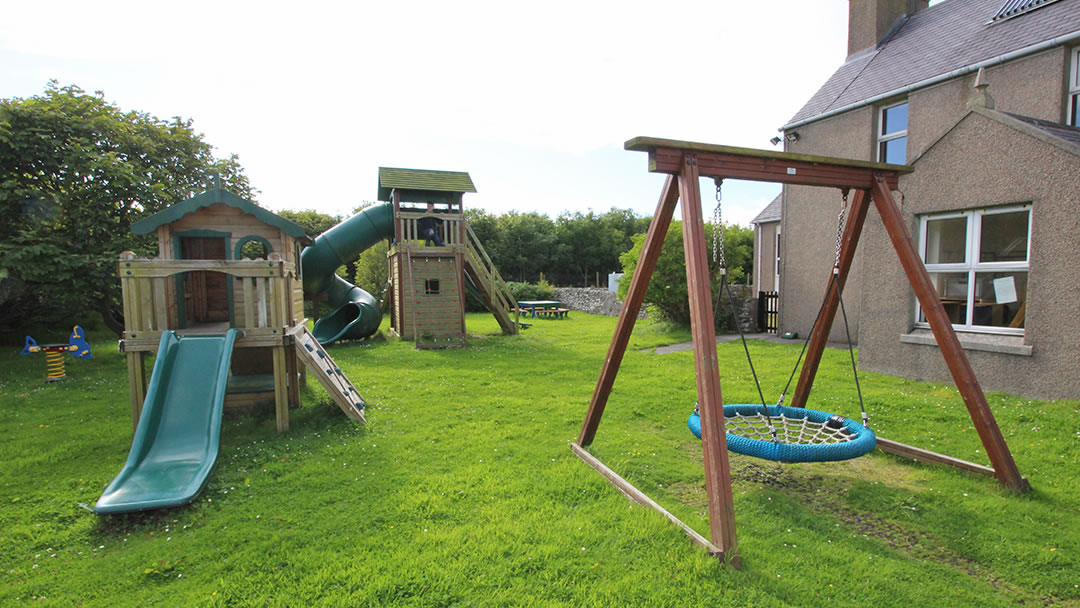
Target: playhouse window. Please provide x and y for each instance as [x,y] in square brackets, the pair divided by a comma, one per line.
[253,248]
[978,261]
[431,286]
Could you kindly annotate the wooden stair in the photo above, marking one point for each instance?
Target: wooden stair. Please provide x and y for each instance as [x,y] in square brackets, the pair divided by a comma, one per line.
[329,374]
[493,290]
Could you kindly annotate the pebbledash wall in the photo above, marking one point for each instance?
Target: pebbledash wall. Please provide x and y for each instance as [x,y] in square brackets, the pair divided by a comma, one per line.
[962,160]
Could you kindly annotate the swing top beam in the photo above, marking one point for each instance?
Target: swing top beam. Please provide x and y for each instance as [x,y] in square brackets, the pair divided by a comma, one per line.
[729,162]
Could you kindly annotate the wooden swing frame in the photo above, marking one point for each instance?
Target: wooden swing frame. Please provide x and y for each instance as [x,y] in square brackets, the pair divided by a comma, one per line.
[684,162]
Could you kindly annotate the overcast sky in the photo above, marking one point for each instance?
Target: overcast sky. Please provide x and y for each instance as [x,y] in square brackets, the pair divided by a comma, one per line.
[534,100]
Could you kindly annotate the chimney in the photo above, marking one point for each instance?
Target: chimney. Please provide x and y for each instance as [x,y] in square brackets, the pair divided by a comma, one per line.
[870,20]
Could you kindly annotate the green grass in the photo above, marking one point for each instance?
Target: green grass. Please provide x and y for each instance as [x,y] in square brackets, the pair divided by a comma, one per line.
[461,490]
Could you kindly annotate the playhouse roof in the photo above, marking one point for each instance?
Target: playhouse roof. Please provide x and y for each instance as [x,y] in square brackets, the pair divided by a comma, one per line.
[421,181]
[210,197]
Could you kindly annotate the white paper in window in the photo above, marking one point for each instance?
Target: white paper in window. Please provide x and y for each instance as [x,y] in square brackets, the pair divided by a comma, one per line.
[1005,290]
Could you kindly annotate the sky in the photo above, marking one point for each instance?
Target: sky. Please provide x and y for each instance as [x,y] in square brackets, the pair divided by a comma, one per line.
[534,100]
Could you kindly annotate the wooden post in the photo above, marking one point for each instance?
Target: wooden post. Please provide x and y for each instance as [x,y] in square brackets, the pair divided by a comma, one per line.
[979,410]
[136,364]
[820,336]
[294,376]
[650,252]
[281,390]
[713,435]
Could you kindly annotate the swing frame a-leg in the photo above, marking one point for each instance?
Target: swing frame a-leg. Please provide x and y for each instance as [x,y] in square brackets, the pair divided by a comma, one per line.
[684,162]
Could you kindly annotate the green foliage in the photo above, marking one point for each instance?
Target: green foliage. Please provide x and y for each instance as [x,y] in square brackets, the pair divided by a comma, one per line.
[373,271]
[667,289]
[313,222]
[460,491]
[570,250]
[541,290]
[75,172]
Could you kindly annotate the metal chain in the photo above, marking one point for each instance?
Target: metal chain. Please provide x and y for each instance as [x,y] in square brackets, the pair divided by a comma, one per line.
[718,232]
[840,230]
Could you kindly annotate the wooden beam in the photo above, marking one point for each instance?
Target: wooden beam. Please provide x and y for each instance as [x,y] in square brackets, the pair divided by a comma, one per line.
[914,453]
[779,170]
[136,364]
[713,435]
[963,375]
[281,390]
[650,253]
[860,203]
[639,497]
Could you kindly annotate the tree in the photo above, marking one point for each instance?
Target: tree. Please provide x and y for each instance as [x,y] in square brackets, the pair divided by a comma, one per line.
[313,222]
[75,172]
[667,288]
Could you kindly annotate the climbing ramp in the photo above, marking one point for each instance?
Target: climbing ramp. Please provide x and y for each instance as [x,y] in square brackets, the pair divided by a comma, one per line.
[329,374]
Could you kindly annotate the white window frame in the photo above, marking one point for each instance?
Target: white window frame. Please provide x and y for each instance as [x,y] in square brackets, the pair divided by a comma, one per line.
[972,265]
[1072,100]
[884,137]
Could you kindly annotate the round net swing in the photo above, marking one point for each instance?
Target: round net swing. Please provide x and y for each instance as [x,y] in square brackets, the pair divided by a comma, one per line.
[802,435]
[784,433]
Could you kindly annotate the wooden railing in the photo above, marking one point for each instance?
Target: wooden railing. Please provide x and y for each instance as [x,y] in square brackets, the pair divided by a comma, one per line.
[449,227]
[265,297]
[497,289]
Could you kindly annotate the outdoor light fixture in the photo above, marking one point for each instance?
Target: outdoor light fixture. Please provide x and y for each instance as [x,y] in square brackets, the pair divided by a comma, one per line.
[775,140]
[793,136]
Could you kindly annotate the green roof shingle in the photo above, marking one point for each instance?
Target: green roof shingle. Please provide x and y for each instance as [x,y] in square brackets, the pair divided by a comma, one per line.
[215,195]
[418,181]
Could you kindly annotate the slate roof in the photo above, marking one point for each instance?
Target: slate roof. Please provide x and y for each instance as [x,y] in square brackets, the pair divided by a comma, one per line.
[215,195]
[422,180]
[1055,130]
[934,42]
[771,212]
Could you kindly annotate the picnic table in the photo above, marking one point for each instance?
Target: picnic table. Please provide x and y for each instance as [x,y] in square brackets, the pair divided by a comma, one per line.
[552,308]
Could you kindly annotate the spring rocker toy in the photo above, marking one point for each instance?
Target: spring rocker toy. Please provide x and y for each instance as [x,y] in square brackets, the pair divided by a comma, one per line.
[54,353]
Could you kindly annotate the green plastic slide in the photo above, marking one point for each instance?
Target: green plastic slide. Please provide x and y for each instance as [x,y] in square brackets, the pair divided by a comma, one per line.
[176,442]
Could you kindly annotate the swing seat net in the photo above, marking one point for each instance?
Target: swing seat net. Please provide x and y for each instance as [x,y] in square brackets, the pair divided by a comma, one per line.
[802,435]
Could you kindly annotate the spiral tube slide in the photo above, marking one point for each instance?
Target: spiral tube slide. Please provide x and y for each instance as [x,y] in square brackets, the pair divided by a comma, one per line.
[356,312]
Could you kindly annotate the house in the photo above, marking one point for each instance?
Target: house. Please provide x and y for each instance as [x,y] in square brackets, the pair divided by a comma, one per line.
[767,247]
[981,98]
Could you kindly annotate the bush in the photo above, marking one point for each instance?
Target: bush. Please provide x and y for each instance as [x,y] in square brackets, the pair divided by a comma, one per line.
[532,291]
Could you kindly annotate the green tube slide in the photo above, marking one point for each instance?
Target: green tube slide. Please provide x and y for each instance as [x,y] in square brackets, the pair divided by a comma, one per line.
[356,312]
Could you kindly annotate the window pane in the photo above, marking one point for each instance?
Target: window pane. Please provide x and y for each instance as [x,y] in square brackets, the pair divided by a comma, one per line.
[1075,103]
[1000,299]
[893,151]
[894,119]
[1004,237]
[946,240]
[952,288]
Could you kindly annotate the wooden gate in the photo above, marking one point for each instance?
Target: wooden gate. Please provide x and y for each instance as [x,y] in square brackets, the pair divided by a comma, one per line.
[768,303]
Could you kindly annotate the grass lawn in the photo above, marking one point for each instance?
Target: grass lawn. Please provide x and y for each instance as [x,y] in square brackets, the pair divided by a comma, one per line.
[461,490]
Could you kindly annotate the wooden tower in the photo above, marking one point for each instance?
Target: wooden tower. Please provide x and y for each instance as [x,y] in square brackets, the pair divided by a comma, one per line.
[435,259]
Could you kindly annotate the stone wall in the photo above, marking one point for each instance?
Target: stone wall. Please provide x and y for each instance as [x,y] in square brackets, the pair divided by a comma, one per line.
[597,301]
[602,302]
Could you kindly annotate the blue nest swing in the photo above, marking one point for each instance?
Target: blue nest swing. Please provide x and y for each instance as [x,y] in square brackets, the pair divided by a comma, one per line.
[802,435]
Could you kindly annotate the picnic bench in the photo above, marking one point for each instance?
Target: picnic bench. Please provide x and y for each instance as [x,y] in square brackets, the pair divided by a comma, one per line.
[545,308]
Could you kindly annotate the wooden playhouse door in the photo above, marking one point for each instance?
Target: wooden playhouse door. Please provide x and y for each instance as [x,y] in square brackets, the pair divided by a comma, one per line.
[205,293]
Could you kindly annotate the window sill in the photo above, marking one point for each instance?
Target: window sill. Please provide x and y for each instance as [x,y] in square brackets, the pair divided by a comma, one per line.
[1007,345]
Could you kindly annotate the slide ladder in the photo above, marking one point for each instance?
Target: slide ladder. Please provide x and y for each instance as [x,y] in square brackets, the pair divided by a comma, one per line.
[485,277]
[329,374]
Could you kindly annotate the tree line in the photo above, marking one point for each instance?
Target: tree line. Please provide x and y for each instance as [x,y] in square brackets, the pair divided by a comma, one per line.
[76,171]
